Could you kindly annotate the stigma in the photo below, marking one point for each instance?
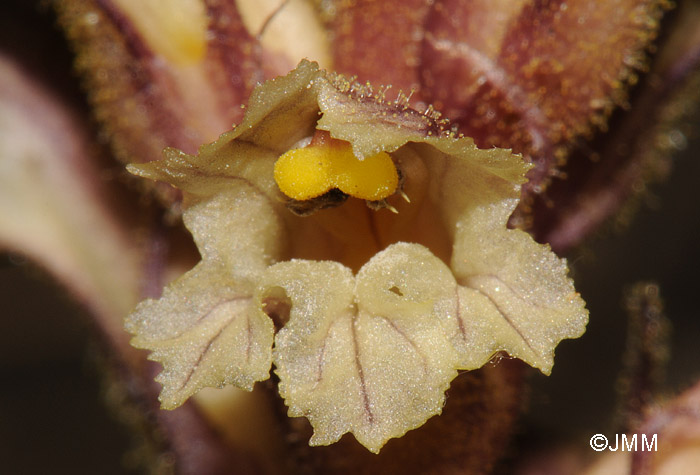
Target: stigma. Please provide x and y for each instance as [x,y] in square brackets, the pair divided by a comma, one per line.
[327,164]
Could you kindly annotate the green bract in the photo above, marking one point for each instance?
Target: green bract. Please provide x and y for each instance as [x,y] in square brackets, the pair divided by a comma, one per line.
[366,315]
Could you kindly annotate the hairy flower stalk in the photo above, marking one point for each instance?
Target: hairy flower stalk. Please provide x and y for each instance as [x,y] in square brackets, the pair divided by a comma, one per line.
[370,302]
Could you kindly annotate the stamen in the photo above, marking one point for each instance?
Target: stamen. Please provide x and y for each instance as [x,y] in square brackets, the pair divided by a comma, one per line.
[392,209]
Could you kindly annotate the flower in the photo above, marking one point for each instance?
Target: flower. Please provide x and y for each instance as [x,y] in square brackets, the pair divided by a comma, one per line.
[367,314]
[535,77]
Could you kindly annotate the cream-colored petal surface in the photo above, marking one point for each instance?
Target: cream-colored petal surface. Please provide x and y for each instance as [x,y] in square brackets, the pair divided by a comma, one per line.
[315,354]
[514,295]
[206,330]
[376,365]
[236,227]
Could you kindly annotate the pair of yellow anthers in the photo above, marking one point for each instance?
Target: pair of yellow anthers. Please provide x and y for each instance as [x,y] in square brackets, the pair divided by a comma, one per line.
[309,172]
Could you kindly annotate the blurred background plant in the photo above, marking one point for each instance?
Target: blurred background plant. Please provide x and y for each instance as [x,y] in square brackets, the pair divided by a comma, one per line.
[603,124]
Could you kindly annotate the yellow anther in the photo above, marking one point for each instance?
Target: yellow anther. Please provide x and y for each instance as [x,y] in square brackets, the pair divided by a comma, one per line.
[309,172]
[304,173]
[373,178]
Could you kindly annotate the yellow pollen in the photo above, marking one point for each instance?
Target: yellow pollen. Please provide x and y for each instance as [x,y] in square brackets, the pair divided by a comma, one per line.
[306,173]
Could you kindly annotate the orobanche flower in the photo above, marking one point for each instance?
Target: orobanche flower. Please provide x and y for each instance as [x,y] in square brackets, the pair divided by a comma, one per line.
[359,247]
